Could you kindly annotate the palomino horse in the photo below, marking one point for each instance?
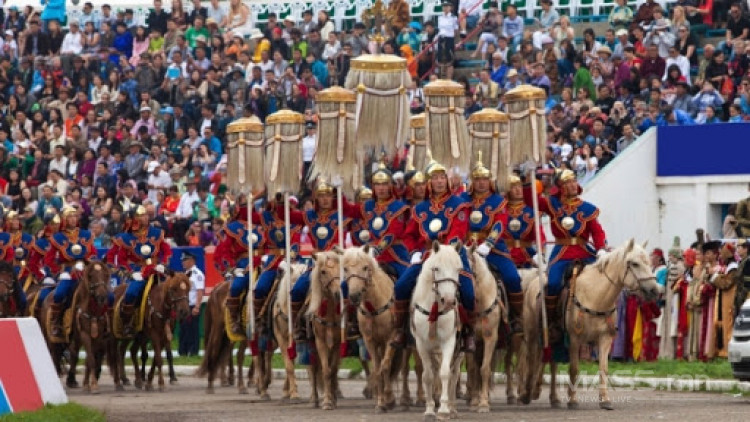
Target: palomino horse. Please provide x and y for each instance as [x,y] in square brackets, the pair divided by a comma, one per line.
[479,364]
[166,300]
[326,320]
[281,331]
[591,316]
[218,348]
[9,292]
[371,292]
[92,325]
[435,324]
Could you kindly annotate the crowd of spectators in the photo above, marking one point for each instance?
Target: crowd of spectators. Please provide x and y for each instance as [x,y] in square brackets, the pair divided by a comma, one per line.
[101,113]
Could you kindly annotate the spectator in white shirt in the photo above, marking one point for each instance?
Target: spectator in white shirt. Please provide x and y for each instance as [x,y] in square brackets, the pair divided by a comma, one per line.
[332,48]
[447,27]
[72,43]
[682,62]
[158,180]
[60,161]
[309,143]
[184,213]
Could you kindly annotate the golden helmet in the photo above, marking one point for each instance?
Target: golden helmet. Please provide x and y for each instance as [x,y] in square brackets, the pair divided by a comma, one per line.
[68,211]
[382,174]
[513,179]
[364,193]
[480,171]
[434,167]
[323,187]
[140,210]
[416,177]
[565,176]
[12,214]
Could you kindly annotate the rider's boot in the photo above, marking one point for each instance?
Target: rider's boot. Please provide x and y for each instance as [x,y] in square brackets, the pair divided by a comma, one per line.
[55,311]
[554,325]
[400,312]
[126,316]
[233,306]
[515,302]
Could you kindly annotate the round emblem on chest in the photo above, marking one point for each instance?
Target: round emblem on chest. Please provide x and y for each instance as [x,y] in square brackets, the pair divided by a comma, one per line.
[145,250]
[364,236]
[279,235]
[475,217]
[378,223]
[514,225]
[568,222]
[321,232]
[76,249]
[435,225]
[254,238]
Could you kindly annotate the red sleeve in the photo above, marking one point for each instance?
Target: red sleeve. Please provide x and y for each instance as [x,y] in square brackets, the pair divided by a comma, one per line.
[223,254]
[353,211]
[597,234]
[459,225]
[295,216]
[165,252]
[117,255]
[413,237]
[50,261]
[544,204]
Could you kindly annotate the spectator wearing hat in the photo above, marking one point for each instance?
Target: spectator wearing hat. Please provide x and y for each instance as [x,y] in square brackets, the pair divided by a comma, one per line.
[135,162]
[146,121]
[621,43]
[512,80]
[658,33]
[189,334]
[672,117]
[158,180]
[15,21]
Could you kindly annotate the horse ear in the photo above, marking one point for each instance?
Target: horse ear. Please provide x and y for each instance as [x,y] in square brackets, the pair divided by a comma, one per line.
[315,256]
[435,246]
[459,245]
[366,249]
[338,250]
[645,243]
[629,246]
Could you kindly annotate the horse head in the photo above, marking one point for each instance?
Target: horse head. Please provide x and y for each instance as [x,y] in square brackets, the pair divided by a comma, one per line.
[96,282]
[176,291]
[633,269]
[324,278]
[440,271]
[8,288]
[358,269]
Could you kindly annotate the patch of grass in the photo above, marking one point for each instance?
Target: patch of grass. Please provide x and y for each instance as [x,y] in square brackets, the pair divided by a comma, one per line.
[717,369]
[71,412]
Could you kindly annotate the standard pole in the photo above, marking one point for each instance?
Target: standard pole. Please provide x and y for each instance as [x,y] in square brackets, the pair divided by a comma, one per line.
[540,254]
[250,306]
[291,352]
[340,201]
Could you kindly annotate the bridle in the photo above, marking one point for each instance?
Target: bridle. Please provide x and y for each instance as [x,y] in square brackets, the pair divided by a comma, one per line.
[629,270]
[436,282]
[370,313]
[168,304]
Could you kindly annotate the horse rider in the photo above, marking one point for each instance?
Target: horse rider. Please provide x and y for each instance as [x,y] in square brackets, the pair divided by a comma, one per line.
[486,224]
[415,187]
[19,245]
[9,241]
[38,250]
[141,251]
[520,238]
[274,233]
[322,221]
[233,252]
[358,227]
[441,217]
[578,237]
[71,248]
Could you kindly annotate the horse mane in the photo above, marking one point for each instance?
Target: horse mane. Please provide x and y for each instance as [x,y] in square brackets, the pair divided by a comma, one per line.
[359,254]
[445,256]
[287,280]
[620,255]
[316,288]
[481,269]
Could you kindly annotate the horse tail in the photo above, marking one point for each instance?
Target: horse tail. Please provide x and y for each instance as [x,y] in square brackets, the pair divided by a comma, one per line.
[215,339]
[396,363]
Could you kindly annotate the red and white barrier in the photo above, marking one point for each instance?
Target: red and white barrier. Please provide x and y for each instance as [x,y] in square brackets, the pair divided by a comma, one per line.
[28,379]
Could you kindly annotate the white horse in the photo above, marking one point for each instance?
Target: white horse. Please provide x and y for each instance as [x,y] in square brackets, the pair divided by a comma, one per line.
[435,324]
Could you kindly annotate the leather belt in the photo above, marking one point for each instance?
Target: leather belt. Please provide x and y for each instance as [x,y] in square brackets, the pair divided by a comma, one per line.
[573,241]
[516,243]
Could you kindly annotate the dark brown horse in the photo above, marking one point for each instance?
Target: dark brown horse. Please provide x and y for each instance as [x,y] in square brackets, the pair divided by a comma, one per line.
[167,301]
[92,326]
[9,292]
[218,348]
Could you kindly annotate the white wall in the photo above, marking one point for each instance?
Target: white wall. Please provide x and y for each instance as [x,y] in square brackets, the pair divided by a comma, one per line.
[636,203]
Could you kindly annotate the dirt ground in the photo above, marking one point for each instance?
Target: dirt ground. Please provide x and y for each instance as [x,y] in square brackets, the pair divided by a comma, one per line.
[187,402]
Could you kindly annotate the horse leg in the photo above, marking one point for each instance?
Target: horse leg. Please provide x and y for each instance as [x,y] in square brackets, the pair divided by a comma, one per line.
[152,371]
[419,371]
[241,388]
[113,360]
[428,380]
[92,365]
[325,367]
[554,399]
[605,342]
[455,374]
[377,378]
[514,349]
[291,378]
[159,363]
[314,374]
[447,381]
[73,349]
[170,361]
[573,372]
[122,348]
[486,373]
[367,391]
[228,378]
[405,400]
[386,363]
[134,357]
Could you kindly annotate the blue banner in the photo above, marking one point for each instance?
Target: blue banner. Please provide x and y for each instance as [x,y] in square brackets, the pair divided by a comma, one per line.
[719,149]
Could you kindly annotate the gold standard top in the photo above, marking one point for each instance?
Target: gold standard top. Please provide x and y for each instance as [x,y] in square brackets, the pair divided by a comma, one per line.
[245,125]
[378,63]
[488,115]
[285,116]
[444,87]
[525,92]
[336,94]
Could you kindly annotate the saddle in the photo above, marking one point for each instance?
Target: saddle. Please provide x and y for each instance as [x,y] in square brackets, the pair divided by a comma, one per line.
[140,311]
[243,318]
[388,269]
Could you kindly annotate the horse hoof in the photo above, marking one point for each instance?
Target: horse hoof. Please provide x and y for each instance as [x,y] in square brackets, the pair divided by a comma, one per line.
[225,384]
[327,406]
[483,408]
[405,407]
[420,403]
[72,383]
[512,400]
[210,390]
[265,397]
[243,390]
[86,389]
[443,416]
[339,394]
[606,405]
[525,399]
[573,405]
[119,387]
[555,404]
[94,391]
[473,402]
[149,387]
[313,404]
[162,388]
[367,393]
[125,381]
[430,418]
[380,409]
[173,381]
[139,385]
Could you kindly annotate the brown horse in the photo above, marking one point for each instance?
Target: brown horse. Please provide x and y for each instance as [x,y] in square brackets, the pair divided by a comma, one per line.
[9,292]
[167,300]
[92,326]
[326,320]
[218,348]
[281,331]
[58,350]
